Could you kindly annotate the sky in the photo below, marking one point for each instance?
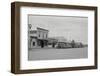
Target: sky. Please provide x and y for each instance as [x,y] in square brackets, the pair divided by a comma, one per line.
[69,27]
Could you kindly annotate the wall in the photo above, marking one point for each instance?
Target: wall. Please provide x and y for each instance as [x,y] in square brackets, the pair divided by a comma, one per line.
[5,39]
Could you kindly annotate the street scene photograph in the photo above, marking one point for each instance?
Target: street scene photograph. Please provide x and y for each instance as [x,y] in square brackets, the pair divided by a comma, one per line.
[52,37]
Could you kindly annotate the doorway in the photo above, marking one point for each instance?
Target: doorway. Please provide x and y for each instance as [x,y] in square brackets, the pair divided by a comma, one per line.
[42,43]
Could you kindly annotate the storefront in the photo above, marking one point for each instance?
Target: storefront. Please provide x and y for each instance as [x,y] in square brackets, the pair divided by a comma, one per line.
[38,38]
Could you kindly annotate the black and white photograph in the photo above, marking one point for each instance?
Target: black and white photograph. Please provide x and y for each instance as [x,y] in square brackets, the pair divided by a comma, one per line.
[52,37]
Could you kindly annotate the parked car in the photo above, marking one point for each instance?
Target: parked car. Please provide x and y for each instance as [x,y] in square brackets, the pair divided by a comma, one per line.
[63,45]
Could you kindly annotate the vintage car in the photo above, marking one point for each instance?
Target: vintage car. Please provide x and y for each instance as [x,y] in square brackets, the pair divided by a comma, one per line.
[63,45]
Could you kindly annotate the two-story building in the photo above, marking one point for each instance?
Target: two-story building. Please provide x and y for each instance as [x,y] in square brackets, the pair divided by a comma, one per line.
[42,35]
[38,38]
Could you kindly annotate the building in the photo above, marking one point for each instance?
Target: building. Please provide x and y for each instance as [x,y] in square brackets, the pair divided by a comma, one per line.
[32,38]
[37,38]
[42,37]
[52,42]
[57,42]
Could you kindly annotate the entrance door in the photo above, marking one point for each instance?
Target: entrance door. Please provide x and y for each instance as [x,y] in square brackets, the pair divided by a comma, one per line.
[33,43]
[42,43]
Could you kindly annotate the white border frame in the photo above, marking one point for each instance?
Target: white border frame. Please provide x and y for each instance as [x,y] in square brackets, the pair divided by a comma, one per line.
[25,64]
